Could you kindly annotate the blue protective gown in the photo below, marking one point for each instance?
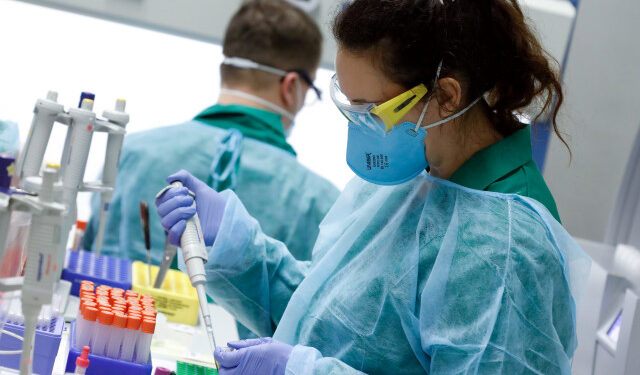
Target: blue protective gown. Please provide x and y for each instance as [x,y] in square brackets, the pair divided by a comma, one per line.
[9,138]
[424,277]
[288,199]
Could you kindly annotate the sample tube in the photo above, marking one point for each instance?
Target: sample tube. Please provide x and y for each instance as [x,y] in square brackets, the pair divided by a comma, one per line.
[78,236]
[85,326]
[131,293]
[130,338]
[143,345]
[149,312]
[163,371]
[119,308]
[102,332]
[82,362]
[117,333]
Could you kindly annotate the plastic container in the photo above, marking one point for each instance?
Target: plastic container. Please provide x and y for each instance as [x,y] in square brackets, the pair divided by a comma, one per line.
[102,332]
[192,369]
[101,365]
[15,252]
[117,334]
[143,345]
[103,270]
[45,349]
[130,338]
[78,235]
[177,299]
[86,322]
[82,362]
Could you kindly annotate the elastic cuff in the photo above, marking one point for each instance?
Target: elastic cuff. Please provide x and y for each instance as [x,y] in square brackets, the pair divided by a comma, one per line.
[236,232]
[302,360]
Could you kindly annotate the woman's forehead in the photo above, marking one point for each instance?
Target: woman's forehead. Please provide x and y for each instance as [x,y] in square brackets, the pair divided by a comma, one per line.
[361,80]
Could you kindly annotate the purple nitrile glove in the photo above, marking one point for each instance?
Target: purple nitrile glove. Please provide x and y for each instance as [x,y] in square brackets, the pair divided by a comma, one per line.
[175,208]
[264,356]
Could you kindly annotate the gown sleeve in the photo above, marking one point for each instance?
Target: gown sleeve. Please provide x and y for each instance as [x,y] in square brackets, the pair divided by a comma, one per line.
[250,274]
[306,360]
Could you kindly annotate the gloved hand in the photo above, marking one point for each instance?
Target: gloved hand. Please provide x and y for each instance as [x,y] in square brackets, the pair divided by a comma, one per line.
[175,207]
[264,356]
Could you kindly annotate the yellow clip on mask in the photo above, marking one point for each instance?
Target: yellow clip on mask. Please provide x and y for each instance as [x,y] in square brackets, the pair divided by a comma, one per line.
[392,111]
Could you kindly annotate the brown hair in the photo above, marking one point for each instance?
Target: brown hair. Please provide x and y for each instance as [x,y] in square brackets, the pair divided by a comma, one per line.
[274,33]
[484,44]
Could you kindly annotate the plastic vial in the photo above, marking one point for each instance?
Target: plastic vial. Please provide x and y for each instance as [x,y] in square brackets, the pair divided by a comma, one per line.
[78,237]
[130,338]
[162,371]
[85,326]
[82,362]
[143,346]
[117,334]
[102,332]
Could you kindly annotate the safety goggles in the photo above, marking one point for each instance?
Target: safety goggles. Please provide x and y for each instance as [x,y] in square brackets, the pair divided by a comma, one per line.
[243,63]
[380,118]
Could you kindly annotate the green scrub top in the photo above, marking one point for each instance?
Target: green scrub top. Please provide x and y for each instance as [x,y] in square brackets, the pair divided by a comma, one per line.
[507,167]
[254,123]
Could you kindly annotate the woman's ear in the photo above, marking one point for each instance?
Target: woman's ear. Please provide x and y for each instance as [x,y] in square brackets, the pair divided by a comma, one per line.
[449,94]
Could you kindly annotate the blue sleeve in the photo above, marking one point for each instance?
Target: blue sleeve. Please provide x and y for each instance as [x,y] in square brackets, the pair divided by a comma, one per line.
[250,274]
[305,360]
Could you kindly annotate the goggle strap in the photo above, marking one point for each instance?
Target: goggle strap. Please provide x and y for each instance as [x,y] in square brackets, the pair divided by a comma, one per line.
[274,107]
[243,63]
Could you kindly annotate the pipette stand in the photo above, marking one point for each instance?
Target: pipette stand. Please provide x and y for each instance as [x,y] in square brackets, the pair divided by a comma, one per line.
[51,197]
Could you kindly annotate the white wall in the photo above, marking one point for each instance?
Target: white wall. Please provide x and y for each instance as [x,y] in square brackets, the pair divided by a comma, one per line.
[600,116]
[165,80]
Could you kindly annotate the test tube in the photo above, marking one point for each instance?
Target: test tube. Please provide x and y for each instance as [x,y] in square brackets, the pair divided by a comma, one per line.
[130,338]
[117,334]
[131,293]
[143,345]
[85,326]
[103,288]
[136,309]
[102,332]
[82,362]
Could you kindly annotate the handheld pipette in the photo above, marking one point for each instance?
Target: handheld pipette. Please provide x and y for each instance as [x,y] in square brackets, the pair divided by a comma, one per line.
[194,253]
[144,218]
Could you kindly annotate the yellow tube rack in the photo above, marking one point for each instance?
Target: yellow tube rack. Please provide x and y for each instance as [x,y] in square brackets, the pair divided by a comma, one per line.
[177,299]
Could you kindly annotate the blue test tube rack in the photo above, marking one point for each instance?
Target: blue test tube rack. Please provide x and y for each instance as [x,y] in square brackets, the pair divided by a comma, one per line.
[45,349]
[99,365]
[102,270]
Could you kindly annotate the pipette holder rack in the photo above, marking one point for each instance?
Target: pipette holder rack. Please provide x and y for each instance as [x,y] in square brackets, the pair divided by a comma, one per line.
[45,350]
[99,365]
[102,270]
